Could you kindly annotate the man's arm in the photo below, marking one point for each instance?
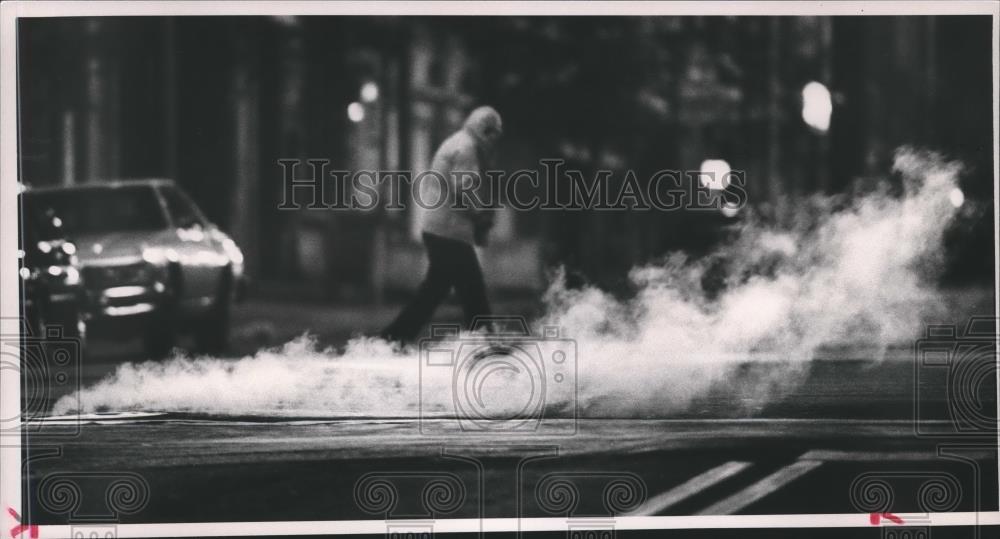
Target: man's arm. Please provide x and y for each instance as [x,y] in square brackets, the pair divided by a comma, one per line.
[468,168]
[462,168]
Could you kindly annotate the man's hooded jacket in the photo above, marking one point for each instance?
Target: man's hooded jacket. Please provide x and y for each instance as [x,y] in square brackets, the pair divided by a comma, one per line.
[460,156]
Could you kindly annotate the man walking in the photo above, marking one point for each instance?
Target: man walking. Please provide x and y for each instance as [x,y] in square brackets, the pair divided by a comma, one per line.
[451,229]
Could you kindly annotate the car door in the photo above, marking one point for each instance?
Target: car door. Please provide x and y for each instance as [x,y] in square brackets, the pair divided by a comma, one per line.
[200,259]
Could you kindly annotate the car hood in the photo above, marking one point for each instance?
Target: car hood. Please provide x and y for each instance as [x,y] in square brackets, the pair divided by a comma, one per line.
[109,246]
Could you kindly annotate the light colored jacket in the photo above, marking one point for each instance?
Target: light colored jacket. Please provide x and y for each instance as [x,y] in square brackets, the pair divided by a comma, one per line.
[459,153]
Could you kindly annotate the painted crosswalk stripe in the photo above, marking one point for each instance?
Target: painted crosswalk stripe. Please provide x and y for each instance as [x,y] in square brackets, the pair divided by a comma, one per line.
[761,488]
[689,488]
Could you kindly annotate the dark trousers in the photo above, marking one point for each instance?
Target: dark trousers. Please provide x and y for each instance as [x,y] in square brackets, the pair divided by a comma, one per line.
[453,264]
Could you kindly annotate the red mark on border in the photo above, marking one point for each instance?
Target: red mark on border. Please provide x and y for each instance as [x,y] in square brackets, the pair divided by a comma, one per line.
[19,529]
[875,518]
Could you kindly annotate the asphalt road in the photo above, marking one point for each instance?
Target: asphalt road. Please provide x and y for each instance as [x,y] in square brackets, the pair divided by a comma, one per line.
[855,435]
[845,441]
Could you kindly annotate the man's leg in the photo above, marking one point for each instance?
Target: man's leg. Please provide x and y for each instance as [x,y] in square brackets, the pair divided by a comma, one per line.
[435,287]
[469,284]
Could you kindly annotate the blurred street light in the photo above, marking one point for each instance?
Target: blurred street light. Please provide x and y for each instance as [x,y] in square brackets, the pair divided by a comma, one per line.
[715,174]
[369,92]
[356,112]
[957,197]
[729,211]
[817,106]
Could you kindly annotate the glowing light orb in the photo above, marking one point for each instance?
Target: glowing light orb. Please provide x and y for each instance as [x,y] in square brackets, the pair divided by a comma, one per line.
[729,211]
[817,106]
[715,174]
[369,92]
[956,197]
[356,112]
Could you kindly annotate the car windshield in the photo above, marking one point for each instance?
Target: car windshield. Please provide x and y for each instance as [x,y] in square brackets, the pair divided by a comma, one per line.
[97,210]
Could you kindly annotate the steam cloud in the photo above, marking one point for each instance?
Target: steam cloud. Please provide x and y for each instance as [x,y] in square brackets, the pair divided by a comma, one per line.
[854,270]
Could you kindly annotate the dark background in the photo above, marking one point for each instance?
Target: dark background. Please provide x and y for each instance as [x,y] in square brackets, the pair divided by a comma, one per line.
[214,102]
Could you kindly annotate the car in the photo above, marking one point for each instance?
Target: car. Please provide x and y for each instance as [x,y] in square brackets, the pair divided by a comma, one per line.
[50,278]
[150,261]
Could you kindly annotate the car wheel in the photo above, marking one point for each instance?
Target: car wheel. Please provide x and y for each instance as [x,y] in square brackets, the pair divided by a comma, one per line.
[34,311]
[35,324]
[159,338]
[71,325]
[161,331]
[162,328]
[212,335]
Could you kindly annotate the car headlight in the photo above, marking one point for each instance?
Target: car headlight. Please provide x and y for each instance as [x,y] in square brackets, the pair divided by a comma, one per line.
[232,251]
[154,256]
[158,256]
[72,276]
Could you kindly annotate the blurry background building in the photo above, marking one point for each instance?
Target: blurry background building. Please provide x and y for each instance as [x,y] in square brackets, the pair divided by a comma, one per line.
[803,105]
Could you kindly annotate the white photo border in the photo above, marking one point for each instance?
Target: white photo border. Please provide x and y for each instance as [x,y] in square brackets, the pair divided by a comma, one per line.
[10,12]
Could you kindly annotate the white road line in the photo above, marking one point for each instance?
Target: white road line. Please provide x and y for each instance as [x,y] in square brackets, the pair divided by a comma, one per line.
[689,488]
[761,488]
